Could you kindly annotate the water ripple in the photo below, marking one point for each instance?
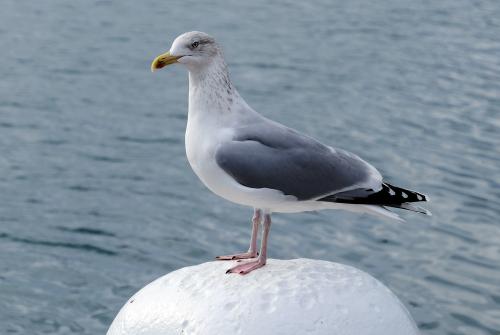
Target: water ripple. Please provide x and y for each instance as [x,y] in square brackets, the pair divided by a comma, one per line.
[78,246]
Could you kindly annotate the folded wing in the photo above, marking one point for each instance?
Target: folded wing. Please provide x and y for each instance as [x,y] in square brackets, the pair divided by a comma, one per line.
[269,155]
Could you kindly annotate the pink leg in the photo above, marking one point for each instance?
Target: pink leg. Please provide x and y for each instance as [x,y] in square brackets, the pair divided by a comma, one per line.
[252,251]
[248,267]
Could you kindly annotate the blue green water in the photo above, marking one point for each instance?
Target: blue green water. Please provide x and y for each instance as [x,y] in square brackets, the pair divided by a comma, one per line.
[97,198]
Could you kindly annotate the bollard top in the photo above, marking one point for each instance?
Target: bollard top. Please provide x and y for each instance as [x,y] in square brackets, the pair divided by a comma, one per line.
[299,296]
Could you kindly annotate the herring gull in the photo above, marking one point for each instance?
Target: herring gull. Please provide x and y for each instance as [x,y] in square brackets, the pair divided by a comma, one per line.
[250,160]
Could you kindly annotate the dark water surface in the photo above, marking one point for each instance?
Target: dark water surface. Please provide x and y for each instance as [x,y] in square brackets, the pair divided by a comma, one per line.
[97,198]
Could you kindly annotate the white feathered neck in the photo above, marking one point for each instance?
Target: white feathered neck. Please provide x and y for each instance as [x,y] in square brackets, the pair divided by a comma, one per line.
[210,89]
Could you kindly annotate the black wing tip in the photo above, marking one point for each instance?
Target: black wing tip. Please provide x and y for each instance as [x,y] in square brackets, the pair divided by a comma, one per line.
[405,195]
[388,195]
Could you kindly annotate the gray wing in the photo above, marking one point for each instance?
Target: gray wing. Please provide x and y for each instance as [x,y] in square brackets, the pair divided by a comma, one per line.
[269,155]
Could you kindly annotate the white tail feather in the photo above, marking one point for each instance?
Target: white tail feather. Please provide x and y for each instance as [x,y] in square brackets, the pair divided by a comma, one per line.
[382,212]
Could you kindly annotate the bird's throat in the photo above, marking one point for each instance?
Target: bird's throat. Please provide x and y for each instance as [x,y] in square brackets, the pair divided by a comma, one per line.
[211,90]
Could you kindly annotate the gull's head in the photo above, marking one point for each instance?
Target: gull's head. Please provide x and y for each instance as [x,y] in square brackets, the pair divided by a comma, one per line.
[194,49]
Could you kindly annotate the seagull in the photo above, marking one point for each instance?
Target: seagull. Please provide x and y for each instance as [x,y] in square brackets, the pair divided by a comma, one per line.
[250,160]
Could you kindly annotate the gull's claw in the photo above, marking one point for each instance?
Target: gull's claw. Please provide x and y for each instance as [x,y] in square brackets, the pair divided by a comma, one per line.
[252,250]
[248,267]
[244,255]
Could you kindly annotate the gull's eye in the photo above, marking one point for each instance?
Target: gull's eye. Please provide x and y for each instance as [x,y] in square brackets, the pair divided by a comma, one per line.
[194,45]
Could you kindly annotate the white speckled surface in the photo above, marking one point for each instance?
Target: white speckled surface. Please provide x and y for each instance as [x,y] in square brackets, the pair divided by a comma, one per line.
[299,296]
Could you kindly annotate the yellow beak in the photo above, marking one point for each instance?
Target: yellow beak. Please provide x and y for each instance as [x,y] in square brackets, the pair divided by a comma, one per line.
[163,60]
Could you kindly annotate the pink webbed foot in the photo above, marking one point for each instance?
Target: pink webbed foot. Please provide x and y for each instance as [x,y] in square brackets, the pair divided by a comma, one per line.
[244,255]
[252,250]
[247,267]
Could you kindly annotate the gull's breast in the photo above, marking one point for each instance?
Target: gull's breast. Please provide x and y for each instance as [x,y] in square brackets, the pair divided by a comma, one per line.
[202,141]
